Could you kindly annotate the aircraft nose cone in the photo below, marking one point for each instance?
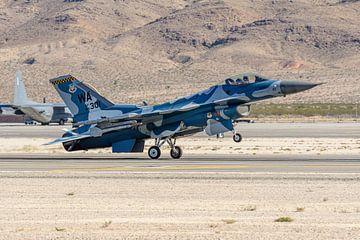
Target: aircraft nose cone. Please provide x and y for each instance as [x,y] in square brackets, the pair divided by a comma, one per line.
[289,87]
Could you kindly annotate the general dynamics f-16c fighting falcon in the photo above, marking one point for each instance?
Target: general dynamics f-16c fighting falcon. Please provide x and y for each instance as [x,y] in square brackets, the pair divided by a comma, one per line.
[44,113]
[98,123]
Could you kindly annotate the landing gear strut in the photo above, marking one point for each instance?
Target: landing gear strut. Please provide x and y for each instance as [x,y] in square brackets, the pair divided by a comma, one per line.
[155,152]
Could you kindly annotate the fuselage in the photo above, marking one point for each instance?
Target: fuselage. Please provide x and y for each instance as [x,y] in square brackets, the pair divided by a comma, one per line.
[203,110]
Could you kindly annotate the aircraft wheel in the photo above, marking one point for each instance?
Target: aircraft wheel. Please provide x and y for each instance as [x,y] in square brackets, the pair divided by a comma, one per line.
[154,152]
[176,152]
[237,137]
[61,122]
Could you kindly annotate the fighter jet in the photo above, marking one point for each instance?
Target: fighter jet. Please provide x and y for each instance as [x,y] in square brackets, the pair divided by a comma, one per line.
[44,113]
[98,123]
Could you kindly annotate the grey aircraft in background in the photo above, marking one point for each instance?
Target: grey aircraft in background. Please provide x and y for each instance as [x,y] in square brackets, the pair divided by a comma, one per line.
[44,113]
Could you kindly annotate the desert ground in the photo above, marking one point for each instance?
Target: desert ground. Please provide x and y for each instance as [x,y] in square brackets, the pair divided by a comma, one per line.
[293,186]
[178,205]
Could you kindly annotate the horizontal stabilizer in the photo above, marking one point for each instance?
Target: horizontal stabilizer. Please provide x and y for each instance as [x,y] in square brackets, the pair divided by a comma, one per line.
[67,139]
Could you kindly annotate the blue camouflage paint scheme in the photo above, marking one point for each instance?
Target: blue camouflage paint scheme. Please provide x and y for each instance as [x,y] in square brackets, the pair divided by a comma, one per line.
[103,124]
[123,146]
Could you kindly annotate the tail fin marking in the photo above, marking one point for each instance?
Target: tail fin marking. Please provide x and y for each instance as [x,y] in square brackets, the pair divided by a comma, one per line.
[84,102]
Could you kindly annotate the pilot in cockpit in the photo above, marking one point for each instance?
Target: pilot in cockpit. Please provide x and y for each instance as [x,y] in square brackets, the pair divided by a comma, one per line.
[246,79]
[239,81]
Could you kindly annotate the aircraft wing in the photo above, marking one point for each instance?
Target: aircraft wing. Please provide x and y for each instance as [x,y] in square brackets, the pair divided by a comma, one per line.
[8,106]
[144,117]
[153,116]
[10,109]
[54,105]
[100,126]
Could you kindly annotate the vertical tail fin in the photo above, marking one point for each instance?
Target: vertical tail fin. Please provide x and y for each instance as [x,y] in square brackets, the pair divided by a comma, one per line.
[84,102]
[20,96]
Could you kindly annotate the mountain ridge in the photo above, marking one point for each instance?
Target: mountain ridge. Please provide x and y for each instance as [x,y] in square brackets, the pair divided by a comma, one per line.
[159,50]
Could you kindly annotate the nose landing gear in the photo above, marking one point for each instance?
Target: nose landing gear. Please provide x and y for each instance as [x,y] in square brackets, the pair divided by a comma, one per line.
[155,152]
[237,137]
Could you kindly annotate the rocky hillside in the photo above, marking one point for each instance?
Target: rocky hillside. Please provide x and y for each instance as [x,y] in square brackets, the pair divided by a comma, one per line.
[156,50]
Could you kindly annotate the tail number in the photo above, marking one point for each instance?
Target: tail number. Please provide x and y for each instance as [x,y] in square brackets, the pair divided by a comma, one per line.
[93,105]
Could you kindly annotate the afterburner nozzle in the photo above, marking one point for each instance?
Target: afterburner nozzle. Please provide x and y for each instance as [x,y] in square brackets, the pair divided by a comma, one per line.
[290,87]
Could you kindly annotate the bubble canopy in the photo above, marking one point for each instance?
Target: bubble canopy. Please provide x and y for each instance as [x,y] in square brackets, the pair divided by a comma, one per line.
[245,78]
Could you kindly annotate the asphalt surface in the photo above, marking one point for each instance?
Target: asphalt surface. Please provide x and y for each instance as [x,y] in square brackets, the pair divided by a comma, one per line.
[209,163]
[248,130]
[201,163]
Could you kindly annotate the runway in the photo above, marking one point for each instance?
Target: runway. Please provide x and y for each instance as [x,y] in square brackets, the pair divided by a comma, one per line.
[248,130]
[219,188]
[311,162]
[209,163]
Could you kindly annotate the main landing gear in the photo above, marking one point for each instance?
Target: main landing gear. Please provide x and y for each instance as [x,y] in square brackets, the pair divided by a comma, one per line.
[155,152]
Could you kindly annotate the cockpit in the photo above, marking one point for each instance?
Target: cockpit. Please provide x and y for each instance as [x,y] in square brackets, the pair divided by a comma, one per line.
[244,79]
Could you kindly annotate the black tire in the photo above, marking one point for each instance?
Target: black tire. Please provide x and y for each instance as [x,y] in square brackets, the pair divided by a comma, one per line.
[176,152]
[154,152]
[237,138]
[61,122]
